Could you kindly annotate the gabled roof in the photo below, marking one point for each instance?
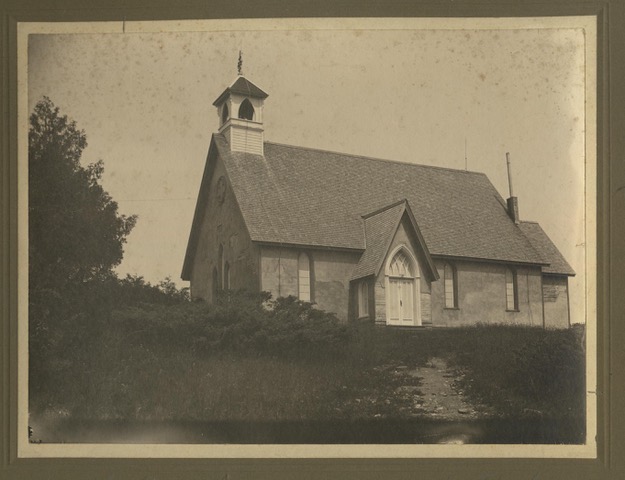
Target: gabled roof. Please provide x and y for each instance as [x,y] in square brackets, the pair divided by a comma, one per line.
[379,229]
[303,196]
[242,86]
[557,264]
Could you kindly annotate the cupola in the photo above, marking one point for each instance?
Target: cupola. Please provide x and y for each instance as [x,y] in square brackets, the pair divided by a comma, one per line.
[240,109]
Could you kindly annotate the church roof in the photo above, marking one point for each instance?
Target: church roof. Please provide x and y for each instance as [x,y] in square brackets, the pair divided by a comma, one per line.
[379,229]
[241,86]
[557,264]
[303,196]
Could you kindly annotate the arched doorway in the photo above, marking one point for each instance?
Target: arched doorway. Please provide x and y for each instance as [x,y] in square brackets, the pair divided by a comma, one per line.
[402,289]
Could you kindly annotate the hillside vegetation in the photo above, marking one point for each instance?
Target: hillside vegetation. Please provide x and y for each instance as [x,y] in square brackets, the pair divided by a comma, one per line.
[248,357]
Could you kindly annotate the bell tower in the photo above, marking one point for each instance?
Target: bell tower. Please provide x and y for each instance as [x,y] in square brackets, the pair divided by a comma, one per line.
[240,109]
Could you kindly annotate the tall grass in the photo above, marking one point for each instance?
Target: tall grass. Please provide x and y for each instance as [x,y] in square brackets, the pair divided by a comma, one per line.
[238,360]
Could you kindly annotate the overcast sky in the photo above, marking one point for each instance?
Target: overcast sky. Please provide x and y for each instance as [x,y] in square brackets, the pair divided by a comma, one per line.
[145,103]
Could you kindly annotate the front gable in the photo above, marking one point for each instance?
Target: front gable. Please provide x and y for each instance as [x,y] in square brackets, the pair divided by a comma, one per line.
[382,228]
[220,254]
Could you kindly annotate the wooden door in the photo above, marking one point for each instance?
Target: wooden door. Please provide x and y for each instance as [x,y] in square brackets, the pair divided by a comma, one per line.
[401,301]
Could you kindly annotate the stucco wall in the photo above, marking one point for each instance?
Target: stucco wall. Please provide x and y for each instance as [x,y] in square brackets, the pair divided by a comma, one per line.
[482,295]
[330,274]
[556,298]
[223,224]
[402,237]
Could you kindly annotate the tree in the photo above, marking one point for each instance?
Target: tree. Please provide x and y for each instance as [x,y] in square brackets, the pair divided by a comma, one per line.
[75,232]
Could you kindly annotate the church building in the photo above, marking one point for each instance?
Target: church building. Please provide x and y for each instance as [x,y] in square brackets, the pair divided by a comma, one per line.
[394,243]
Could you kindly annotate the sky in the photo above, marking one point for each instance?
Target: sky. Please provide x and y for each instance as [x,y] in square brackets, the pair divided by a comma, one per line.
[445,97]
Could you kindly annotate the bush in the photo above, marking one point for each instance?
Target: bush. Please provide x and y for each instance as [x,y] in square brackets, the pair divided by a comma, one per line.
[236,322]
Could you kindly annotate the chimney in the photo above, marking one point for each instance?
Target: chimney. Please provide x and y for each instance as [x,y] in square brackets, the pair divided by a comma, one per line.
[513,202]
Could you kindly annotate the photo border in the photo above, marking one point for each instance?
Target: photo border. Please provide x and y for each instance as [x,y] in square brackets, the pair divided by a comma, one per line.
[474,468]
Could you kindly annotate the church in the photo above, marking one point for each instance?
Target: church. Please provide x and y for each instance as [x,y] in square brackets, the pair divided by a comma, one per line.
[397,244]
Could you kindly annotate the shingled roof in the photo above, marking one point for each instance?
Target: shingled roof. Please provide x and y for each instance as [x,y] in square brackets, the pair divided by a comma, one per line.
[379,229]
[543,244]
[242,86]
[303,196]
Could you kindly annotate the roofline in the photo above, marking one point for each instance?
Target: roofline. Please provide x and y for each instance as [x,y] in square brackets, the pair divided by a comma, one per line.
[424,246]
[383,209]
[385,160]
[187,265]
[228,89]
[488,260]
[559,274]
[307,245]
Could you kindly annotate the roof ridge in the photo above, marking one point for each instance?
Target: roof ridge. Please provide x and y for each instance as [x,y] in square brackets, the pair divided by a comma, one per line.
[383,209]
[386,160]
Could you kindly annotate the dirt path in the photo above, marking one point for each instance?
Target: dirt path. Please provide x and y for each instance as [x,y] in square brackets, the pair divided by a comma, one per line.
[438,394]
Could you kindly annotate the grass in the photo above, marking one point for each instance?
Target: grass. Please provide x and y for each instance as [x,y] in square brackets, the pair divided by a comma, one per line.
[193,362]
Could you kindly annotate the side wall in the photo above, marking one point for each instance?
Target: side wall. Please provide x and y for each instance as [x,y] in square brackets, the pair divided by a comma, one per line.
[223,224]
[403,238]
[330,273]
[482,295]
[556,298]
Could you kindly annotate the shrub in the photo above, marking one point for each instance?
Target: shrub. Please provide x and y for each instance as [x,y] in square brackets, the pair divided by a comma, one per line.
[236,322]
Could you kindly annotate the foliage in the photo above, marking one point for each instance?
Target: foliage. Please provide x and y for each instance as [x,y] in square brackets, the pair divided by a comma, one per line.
[237,322]
[75,232]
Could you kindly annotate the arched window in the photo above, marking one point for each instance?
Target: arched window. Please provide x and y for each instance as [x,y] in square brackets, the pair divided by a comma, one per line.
[227,276]
[246,110]
[400,266]
[224,113]
[303,269]
[512,294]
[215,282]
[363,299]
[221,266]
[451,286]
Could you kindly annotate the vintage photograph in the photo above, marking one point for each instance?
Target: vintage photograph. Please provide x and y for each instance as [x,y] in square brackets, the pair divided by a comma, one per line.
[370,233]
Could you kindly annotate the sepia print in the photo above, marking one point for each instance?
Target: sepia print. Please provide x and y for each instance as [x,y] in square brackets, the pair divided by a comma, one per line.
[305,238]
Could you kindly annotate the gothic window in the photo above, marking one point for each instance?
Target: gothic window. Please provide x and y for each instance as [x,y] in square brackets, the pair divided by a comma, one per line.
[224,113]
[451,286]
[246,110]
[215,285]
[227,276]
[512,294]
[400,266]
[363,299]
[221,266]
[303,268]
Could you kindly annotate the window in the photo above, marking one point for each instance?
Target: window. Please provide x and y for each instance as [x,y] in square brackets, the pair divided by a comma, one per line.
[400,266]
[363,299]
[224,113]
[246,110]
[303,268]
[451,286]
[221,266]
[227,276]
[512,297]
[215,282]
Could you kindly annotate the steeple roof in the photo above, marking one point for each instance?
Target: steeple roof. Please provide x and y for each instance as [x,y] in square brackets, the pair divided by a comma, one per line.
[242,86]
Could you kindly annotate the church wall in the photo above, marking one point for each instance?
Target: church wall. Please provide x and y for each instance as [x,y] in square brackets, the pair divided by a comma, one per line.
[403,238]
[482,295]
[330,274]
[556,298]
[223,224]
[332,271]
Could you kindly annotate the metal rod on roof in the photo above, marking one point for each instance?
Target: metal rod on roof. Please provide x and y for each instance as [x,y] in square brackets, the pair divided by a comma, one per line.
[509,173]
[240,63]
